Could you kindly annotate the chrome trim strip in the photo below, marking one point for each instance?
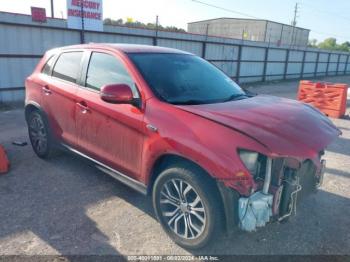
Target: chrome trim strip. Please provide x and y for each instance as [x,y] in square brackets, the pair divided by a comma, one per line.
[134,184]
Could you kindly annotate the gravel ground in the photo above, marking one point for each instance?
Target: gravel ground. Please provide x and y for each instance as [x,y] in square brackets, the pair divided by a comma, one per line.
[66,206]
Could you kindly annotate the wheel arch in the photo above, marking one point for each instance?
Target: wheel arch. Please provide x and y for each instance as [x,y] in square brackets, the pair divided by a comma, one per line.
[32,106]
[168,160]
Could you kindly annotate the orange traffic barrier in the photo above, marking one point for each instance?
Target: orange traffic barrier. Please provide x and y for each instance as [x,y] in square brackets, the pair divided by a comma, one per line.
[4,162]
[329,98]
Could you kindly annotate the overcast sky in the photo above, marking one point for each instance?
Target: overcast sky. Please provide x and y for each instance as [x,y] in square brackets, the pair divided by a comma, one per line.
[325,18]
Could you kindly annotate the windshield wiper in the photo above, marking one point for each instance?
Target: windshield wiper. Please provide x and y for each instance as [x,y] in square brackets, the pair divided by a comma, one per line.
[249,93]
[188,102]
[199,102]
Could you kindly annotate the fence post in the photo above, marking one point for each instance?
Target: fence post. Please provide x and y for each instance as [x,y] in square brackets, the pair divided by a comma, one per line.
[204,47]
[346,64]
[303,64]
[238,71]
[265,63]
[329,57]
[286,65]
[336,73]
[316,66]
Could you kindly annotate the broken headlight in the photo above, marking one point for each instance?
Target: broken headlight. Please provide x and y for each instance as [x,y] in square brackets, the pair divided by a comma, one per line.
[250,160]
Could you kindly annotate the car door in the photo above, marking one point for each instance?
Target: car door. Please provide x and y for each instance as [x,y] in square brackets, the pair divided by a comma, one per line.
[110,133]
[59,96]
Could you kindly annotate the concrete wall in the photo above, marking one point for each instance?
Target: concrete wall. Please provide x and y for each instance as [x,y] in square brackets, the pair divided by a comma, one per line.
[23,42]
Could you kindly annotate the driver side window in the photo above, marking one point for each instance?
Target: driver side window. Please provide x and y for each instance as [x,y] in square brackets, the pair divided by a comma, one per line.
[106,69]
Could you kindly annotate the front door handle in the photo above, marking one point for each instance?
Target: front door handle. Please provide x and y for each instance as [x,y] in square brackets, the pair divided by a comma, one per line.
[83,107]
[46,90]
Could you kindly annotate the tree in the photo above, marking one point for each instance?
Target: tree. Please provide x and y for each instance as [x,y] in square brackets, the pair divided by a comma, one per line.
[345,46]
[107,21]
[135,23]
[328,43]
[312,43]
[331,44]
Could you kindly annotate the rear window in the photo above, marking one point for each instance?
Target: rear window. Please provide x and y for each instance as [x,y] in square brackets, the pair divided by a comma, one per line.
[68,66]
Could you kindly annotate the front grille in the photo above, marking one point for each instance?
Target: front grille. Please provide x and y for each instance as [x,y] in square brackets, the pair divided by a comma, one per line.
[280,166]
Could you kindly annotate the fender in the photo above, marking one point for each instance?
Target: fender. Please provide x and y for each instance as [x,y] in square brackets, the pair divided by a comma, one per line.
[28,107]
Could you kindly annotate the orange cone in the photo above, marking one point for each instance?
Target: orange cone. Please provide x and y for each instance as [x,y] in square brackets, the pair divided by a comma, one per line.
[4,162]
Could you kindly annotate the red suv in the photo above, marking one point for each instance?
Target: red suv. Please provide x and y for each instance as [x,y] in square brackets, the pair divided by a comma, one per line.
[170,124]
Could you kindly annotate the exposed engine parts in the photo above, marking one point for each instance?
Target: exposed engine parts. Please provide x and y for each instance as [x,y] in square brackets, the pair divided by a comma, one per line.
[278,195]
[291,187]
[256,210]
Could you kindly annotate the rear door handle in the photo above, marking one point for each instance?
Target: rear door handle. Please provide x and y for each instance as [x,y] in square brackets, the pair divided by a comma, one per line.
[83,107]
[46,90]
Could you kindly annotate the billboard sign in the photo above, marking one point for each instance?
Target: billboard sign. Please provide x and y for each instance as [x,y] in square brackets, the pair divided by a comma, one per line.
[38,14]
[92,14]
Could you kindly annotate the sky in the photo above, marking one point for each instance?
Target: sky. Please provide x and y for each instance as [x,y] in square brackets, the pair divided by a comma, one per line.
[323,17]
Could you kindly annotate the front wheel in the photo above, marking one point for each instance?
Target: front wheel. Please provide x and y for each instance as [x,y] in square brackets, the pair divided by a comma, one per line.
[187,206]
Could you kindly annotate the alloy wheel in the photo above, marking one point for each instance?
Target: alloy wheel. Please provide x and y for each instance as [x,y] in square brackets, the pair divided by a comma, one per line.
[182,209]
[38,134]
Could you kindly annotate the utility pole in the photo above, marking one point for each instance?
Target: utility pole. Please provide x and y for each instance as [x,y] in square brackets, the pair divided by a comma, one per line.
[294,22]
[155,43]
[52,10]
[82,32]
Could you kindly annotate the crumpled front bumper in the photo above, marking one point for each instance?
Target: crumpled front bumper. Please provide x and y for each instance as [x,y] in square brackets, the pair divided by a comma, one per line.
[258,209]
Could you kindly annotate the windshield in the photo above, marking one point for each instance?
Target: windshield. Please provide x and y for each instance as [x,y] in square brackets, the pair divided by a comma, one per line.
[185,79]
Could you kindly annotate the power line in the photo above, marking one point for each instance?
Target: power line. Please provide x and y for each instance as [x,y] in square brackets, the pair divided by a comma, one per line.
[225,9]
[326,12]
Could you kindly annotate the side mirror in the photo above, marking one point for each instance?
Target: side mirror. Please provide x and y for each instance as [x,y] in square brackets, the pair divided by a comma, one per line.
[117,94]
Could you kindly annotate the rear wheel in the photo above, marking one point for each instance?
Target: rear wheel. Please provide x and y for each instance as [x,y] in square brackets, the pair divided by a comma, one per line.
[187,206]
[39,135]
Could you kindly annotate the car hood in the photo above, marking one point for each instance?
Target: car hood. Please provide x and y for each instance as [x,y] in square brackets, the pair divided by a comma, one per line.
[285,127]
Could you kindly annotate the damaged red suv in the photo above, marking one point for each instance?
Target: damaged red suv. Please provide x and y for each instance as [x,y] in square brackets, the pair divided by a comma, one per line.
[170,124]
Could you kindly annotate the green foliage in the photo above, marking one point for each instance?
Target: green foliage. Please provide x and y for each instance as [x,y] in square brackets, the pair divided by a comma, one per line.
[312,43]
[330,44]
[131,23]
[345,46]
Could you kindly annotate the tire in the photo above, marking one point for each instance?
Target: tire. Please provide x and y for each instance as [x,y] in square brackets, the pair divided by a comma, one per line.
[203,217]
[39,135]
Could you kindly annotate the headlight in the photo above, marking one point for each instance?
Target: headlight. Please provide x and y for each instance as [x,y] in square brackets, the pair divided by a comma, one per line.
[250,160]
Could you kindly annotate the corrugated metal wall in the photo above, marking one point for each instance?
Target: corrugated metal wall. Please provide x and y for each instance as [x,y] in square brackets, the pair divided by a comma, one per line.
[251,29]
[23,42]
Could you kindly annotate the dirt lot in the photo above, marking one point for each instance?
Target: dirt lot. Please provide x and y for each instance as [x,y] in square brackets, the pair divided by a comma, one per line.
[66,206]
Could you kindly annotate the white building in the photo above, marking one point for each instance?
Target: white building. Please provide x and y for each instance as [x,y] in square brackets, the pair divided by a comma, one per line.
[252,29]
